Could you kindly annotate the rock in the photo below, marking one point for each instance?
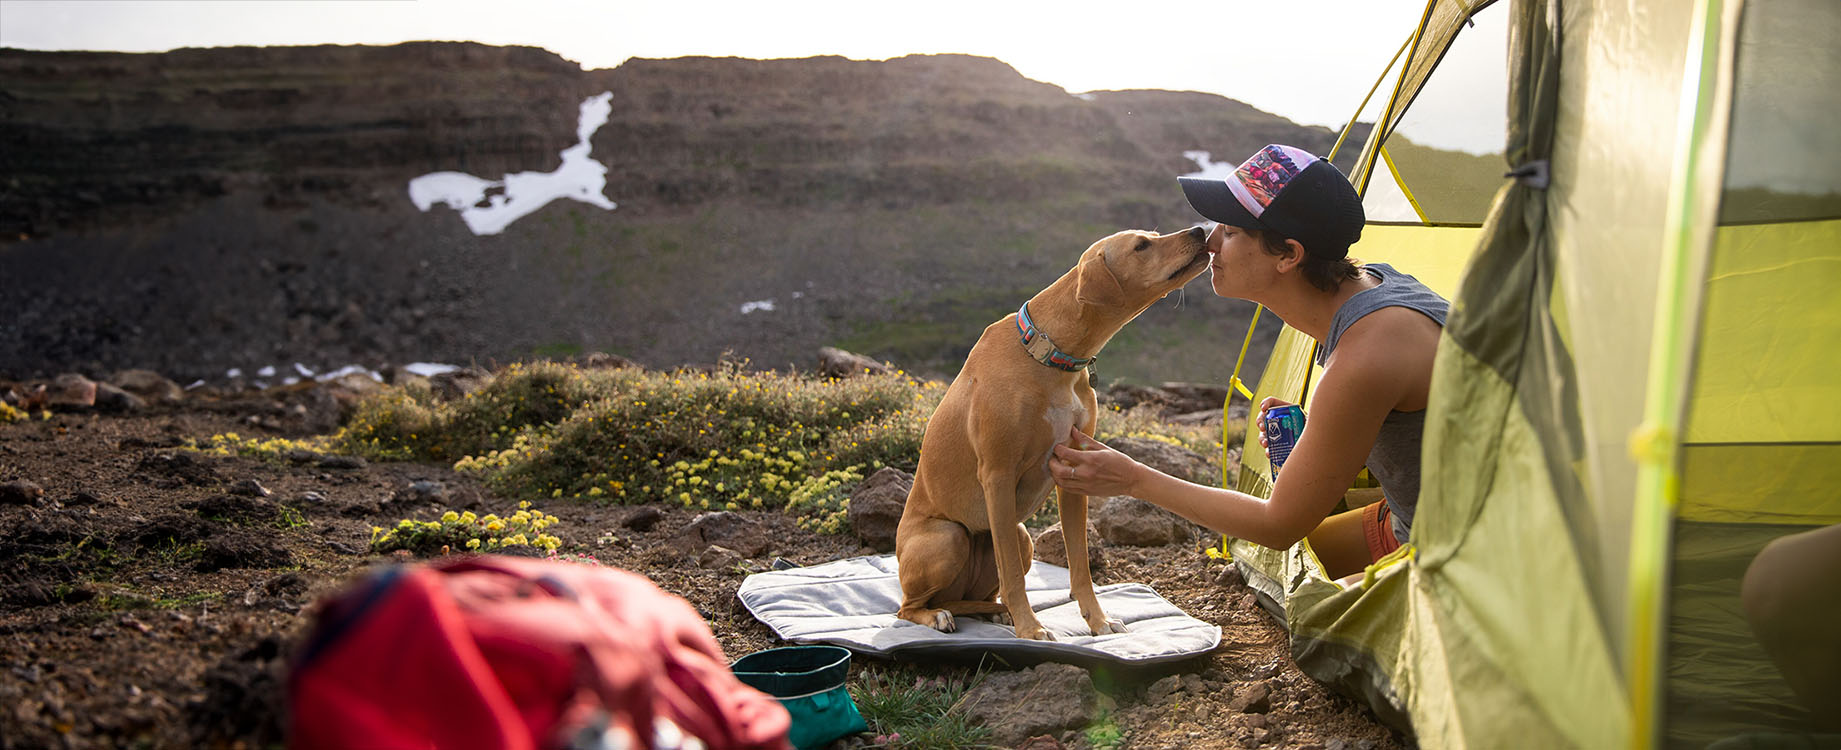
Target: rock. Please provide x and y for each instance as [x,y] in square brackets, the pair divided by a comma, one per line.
[1051,548]
[1188,397]
[1255,698]
[1128,396]
[838,363]
[876,505]
[149,385]
[1134,522]
[718,557]
[1203,418]
[1170,459]
[455,384]
[1041,700]
[117,401]
[342,462]
[349,389]
[249,488]
[1192,684]
[1162,689]
[311,498]
[642,518]
[71,392]
[85,497]
[424,491]
[1230,577]
[605,361]
[20,492]
[725,529]
[1041,742]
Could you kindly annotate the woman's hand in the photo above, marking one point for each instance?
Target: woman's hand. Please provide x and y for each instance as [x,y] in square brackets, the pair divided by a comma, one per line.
[1267,405]
[1088,467]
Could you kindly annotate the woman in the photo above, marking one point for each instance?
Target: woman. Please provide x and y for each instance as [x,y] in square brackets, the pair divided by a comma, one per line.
[1284,223]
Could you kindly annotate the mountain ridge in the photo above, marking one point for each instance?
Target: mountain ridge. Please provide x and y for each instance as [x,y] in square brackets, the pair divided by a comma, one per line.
[202,209]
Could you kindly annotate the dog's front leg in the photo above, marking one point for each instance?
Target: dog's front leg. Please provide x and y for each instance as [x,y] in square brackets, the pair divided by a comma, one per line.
[1011,539]
[1080,571]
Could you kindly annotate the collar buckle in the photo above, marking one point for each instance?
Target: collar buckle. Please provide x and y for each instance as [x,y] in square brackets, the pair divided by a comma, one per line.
[1043,350]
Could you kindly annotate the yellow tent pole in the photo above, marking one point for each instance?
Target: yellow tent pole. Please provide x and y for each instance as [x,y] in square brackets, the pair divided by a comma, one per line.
[1393,99]
[1350,125]
[1656,444]
[1404,190]
[1234,380]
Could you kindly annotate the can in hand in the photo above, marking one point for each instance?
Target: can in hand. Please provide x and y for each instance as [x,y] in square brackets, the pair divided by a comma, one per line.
[1284,424]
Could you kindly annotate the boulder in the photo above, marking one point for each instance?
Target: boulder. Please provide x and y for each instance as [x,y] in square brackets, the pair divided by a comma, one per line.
[876,505]
[1134,522]
[838,363]
[1127,396]
[348,389]
[1051,548]
[605,361]
[149,385]
[1173,460]
[20,492]
[1190,397]
[1203,418]
[1042,700]
[455,384]
[71,392]
[115,400]
[642,518]
[725,529]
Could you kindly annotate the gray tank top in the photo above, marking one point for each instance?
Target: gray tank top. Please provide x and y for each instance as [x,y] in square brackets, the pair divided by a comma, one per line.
[1394,460]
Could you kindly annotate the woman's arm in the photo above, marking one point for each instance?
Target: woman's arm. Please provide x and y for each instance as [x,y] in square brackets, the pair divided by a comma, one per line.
[1353,399]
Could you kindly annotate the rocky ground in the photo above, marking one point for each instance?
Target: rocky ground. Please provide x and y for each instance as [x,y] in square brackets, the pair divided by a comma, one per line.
[151,596]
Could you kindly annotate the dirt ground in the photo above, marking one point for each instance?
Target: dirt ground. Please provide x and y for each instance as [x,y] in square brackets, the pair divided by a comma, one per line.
[152,596]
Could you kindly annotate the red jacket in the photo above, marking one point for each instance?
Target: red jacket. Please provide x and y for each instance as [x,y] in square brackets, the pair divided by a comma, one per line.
[507,653]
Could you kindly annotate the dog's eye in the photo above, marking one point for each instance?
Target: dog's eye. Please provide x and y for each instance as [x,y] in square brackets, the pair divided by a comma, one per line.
[1143,244]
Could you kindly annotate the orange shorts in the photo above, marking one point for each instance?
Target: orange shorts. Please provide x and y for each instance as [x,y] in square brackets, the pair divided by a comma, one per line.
[1378,529]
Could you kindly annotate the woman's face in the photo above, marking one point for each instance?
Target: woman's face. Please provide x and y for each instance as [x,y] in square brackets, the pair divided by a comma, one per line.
[1234,271]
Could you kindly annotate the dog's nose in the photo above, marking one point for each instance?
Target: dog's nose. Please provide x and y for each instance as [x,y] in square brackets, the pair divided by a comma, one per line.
[1200,234]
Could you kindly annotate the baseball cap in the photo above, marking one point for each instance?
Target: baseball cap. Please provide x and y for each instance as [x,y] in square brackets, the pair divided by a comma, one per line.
[1287,190]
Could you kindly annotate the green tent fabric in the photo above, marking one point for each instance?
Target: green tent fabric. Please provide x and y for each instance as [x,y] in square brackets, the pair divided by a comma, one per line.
[1636,391]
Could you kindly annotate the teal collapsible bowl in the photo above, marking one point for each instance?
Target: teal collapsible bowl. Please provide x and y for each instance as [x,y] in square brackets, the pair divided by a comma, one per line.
[809,682]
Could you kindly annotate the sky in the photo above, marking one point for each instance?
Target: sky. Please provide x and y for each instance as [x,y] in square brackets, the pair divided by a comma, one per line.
[1308,60]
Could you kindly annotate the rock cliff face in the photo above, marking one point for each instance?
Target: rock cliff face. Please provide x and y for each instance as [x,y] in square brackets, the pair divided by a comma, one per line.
[198,210]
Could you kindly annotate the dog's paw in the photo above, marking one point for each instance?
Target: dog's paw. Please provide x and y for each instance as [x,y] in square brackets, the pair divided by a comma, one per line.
[1037,633]
[942,621]
[1002,618]
[1109,626]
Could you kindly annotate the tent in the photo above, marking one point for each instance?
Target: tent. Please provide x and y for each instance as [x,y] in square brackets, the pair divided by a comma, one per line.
[1637,389]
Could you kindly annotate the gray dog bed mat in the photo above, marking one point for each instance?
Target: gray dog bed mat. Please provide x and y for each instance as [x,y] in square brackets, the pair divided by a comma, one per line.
[852,603]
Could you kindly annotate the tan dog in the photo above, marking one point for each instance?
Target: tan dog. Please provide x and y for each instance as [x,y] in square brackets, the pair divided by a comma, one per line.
[983,469]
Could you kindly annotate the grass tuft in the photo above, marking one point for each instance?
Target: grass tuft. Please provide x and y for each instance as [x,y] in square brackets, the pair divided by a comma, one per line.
[728,439]
[907,710]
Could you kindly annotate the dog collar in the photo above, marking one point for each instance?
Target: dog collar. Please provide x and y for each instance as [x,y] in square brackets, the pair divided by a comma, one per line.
[1037,344]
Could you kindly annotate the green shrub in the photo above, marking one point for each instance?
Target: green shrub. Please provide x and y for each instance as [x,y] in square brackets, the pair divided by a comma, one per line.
[727,439]
[721,440]
[466,532]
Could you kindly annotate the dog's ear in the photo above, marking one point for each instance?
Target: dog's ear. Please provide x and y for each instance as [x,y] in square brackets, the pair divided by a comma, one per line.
[1097,285]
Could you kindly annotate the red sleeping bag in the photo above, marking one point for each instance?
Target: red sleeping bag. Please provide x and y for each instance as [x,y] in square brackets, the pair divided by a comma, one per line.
[507,653]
